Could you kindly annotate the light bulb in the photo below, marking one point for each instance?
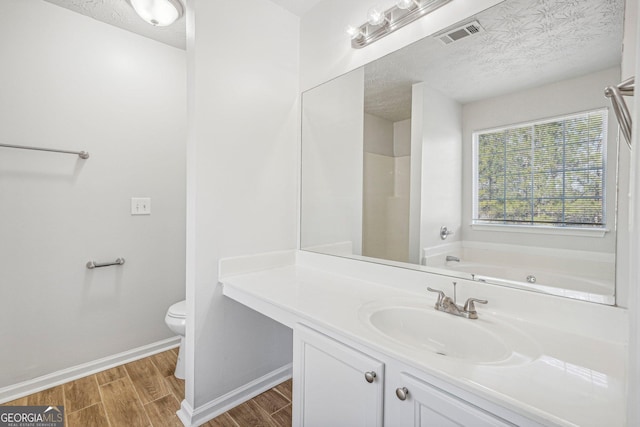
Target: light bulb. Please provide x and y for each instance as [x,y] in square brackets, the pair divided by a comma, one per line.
[376,16]
[159,13]
[405,4]
[354,32]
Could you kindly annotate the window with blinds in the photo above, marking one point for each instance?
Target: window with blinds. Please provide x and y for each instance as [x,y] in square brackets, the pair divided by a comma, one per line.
[548,173]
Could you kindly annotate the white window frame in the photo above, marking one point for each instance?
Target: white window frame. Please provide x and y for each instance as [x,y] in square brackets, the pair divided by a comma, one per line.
[591,231]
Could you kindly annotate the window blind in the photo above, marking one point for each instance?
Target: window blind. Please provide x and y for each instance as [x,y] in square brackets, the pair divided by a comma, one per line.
[543,173]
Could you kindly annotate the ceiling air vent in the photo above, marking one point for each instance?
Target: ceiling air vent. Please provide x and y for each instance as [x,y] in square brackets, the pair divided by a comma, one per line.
[460,33]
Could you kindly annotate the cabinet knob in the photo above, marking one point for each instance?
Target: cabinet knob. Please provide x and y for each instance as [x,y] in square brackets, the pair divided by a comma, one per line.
[402,393]
[370,376]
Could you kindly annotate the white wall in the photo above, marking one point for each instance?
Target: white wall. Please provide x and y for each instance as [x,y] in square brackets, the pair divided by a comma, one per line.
[398,208]
[399,237]
[415,172]
[631,66]
[378,135]
[385,199]
[378,186]
[565,97]
[70,82]
[624,258]
[441,167]
[332,162]
[402,138]
[398,205]
[241,183]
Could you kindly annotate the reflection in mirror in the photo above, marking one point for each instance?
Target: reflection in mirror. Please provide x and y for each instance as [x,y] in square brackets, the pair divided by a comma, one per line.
[487,152]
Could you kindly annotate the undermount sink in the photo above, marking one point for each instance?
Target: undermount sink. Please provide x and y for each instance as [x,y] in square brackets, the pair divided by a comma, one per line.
[421,327]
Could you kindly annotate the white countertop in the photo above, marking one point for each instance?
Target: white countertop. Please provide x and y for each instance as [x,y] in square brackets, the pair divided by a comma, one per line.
[573,380]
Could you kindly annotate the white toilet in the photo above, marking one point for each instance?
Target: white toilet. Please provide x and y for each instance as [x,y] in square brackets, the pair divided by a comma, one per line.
[176,320]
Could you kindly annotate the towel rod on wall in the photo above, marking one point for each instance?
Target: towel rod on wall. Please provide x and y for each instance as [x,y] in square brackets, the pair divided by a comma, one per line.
[626,88]
[81,154]
[92,264]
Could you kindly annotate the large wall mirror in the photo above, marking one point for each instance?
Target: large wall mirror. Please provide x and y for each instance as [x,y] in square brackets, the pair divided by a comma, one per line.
[487,151]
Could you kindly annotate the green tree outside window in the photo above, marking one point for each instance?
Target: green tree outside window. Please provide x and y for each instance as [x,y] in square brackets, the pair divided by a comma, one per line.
[544,173]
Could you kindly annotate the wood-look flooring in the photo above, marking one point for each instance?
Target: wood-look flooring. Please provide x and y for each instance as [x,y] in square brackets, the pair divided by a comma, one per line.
[145,393]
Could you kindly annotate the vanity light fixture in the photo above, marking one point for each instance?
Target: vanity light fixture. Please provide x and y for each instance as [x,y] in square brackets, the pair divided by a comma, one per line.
[383,22]
[354,32]
[376,16]
[406,4]
[159,13]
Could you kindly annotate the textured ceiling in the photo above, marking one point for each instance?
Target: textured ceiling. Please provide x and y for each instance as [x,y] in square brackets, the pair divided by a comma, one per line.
[121,14]
[527,43]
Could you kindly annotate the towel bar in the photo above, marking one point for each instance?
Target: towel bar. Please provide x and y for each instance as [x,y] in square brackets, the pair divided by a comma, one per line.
[92,264]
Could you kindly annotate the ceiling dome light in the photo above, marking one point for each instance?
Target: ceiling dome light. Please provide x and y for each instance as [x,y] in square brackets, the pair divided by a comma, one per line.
[159,13]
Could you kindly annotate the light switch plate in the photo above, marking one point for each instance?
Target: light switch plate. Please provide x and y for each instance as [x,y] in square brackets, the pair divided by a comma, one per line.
[140,206]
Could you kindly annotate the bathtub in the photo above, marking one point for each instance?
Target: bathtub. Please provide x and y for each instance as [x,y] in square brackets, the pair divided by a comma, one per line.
[569,285]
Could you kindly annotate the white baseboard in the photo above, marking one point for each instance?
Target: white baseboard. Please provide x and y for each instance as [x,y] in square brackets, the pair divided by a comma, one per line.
[25,388]
[191,417]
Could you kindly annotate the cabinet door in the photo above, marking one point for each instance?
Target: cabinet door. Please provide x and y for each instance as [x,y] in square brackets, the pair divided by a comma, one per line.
[426,405]
[334,385]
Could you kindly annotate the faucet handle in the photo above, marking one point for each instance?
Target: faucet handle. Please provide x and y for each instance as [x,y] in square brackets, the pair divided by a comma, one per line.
[441,295]
[469,305]
[445,232]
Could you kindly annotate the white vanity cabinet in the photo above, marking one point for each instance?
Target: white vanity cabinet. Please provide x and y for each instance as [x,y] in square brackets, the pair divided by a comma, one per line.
[551,377]
[334,385]
[417,403]
[339,384]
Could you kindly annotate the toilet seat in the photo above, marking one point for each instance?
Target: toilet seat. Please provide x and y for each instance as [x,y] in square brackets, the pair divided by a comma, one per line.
[178,310]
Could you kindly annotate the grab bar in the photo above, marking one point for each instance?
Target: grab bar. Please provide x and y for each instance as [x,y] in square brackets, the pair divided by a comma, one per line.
[82,154]
[92,264]
[616,93]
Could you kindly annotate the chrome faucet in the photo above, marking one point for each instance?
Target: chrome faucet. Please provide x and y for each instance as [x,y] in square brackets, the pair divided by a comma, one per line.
[448,304]
[452,258]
